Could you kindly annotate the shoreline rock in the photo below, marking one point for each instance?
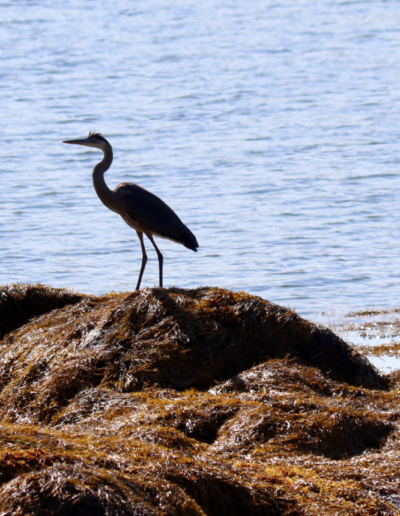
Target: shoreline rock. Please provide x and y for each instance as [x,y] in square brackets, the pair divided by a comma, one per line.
[173,401]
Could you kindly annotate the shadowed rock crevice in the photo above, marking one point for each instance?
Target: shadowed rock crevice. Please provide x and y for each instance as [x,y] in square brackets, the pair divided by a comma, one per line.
[203,426]
[347,433]
[20,303]
[214,494]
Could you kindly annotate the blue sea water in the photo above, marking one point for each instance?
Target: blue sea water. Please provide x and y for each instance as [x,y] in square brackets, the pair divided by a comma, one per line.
[271,128]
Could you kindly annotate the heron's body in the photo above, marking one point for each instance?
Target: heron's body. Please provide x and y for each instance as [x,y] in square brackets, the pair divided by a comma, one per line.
[146,212]
[141,210]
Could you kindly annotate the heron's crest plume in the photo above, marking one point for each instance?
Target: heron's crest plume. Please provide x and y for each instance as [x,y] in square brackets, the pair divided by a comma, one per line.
[94,133]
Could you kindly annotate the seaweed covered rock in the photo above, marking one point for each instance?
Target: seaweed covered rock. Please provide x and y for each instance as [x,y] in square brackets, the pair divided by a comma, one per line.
[20,303]
[166,338]
[191,402]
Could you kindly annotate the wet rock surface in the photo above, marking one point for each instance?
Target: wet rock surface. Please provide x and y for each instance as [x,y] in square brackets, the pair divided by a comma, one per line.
[203,402]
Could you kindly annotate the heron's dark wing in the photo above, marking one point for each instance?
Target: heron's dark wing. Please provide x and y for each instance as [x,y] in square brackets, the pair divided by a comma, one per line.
[153,214]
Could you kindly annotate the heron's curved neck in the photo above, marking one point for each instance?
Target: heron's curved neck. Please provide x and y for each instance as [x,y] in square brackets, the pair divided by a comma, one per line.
[106,195]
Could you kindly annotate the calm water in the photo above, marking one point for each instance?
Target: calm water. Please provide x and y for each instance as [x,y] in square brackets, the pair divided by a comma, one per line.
[271,128]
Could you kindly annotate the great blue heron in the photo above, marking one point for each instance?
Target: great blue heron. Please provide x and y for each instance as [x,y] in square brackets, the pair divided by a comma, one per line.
[140,209]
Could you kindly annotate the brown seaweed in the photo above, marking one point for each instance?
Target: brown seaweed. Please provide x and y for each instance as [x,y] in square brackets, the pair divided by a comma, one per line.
[190,402]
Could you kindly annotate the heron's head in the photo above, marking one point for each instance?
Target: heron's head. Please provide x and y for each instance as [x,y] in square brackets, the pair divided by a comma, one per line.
[95,140]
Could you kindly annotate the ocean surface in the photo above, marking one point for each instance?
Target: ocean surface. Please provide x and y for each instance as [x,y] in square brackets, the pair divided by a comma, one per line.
[271,128]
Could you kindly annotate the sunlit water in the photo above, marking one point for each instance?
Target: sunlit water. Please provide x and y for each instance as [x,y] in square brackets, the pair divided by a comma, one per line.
[271,128]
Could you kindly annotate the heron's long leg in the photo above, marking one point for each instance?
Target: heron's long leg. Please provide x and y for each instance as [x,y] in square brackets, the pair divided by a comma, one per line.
[144,259]
[160,256]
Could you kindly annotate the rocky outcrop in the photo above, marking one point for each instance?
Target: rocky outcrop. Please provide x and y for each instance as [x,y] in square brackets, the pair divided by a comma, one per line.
[187,402]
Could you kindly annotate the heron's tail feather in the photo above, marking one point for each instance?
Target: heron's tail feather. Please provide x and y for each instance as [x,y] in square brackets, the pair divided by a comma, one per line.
[190,240]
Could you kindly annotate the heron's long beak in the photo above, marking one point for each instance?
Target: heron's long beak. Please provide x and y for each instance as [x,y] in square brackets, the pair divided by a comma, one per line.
[84,141]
